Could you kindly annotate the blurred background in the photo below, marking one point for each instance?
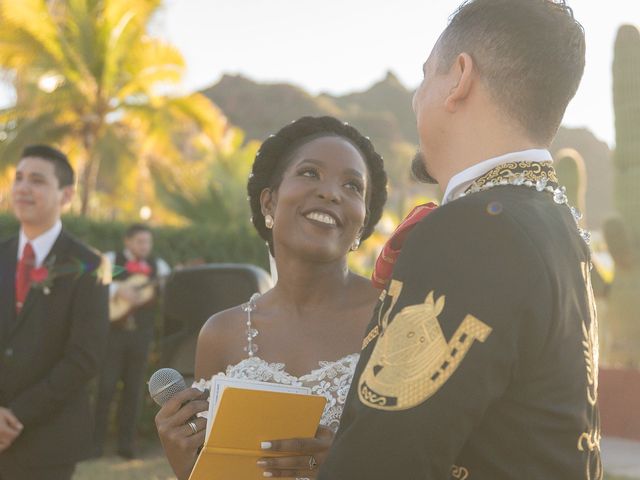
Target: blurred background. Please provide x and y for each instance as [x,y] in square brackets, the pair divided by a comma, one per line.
[161,106]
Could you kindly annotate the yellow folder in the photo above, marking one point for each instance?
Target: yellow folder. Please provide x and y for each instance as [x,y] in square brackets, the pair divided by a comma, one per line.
[244,419]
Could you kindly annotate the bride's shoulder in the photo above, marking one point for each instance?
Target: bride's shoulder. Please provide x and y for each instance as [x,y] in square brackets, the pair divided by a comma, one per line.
[220,341]
[224,323]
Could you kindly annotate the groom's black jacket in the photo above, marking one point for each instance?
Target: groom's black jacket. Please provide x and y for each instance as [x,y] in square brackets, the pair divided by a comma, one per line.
[486,367]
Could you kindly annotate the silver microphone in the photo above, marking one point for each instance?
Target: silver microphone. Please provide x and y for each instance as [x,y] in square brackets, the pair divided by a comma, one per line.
[164,384]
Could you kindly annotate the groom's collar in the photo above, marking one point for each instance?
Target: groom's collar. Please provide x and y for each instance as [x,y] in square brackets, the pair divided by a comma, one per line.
[461,181]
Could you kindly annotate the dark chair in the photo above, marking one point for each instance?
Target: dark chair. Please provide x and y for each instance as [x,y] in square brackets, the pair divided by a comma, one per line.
[192,295]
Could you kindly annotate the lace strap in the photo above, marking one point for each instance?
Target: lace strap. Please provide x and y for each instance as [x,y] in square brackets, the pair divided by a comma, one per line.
[251,332]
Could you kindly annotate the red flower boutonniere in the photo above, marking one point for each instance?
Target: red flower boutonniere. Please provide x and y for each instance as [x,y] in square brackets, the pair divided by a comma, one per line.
[42,277]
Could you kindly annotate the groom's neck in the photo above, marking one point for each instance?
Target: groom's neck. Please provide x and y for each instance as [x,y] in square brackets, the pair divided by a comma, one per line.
[475,142]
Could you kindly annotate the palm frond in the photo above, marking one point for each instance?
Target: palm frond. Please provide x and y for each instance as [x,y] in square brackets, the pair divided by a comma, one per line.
[20,133]
[33,18]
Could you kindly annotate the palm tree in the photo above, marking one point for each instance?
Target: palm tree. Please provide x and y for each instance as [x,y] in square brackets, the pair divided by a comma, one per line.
[89,77]
[211,192]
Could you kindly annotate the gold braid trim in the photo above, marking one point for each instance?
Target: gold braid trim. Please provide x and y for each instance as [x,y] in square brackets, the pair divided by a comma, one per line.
[531,171]
[370,336]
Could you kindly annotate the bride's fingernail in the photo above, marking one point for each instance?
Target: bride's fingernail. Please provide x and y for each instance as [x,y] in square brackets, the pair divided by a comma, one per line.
[262,463]
[267,474]
[265,445]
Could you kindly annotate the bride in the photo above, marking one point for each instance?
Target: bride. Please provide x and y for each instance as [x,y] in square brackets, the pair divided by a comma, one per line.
[316,191]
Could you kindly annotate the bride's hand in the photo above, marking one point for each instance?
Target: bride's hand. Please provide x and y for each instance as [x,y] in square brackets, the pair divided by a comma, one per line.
[307,455]
[179,439]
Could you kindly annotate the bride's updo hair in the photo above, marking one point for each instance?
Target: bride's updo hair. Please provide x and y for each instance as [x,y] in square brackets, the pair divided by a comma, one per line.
[276,152]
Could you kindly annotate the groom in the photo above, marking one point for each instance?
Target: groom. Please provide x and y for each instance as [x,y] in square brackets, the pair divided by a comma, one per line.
[480,362]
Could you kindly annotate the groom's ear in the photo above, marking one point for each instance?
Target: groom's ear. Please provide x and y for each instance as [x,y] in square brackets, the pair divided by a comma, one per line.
[463,72]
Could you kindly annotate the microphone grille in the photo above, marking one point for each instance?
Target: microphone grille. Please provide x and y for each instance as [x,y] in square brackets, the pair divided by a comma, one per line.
[164,384]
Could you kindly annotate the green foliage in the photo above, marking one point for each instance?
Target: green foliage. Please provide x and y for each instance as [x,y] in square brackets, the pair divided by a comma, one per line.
[235,243]
[212,192]
[90,79]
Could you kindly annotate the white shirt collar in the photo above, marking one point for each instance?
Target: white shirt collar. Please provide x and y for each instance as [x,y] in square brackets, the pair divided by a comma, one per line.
[42,244]
[462,180]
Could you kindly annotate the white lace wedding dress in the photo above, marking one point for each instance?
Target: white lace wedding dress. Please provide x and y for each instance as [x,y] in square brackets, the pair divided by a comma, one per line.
[331,379]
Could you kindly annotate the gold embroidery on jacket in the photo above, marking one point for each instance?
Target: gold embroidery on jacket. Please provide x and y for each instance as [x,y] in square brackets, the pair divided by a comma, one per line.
[395,287]
[589,441]
[531,171]
[412,359]
[370,336]
[459,473]
[590,340]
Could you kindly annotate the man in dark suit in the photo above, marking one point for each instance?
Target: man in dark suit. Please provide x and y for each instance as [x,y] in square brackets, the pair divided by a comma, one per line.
[53,326]
[481,360]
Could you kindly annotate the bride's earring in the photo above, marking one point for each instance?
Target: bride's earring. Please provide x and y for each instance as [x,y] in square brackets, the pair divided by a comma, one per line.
[355,244]
[268,221]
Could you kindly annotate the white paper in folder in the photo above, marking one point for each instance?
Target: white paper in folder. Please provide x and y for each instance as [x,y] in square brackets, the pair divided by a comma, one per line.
[220,382]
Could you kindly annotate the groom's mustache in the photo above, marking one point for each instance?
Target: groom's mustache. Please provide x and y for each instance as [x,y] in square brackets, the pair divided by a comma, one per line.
[419,170]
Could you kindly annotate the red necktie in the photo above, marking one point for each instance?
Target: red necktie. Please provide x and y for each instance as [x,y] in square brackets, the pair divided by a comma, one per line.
[23,275]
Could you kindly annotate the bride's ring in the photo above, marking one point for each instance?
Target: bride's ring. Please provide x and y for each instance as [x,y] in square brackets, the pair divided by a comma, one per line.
[194,428]
[312,463]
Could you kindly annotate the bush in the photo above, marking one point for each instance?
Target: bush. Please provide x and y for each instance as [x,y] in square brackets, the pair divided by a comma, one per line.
[186,245]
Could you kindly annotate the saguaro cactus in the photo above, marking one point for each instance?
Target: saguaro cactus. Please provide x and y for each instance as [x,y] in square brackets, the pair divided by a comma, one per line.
[626,104]
[572,173]
[623,234]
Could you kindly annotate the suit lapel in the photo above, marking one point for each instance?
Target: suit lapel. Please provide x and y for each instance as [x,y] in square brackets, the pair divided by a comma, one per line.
[58,251]
[8,263]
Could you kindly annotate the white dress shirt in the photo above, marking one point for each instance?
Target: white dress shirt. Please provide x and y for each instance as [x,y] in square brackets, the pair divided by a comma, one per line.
[42,244]
[463,180]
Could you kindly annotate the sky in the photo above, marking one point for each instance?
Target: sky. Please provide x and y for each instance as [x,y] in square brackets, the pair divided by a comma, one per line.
[341,46]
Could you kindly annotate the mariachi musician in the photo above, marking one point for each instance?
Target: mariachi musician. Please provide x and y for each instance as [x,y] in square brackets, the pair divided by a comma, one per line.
[133,308]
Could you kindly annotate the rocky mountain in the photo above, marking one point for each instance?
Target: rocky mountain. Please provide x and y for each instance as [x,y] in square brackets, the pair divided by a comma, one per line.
[383,112]
[261,109]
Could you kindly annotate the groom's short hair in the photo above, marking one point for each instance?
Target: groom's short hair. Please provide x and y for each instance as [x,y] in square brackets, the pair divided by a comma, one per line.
[529,53]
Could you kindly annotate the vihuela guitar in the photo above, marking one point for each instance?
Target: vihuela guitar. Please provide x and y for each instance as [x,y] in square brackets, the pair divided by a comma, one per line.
[145,288]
